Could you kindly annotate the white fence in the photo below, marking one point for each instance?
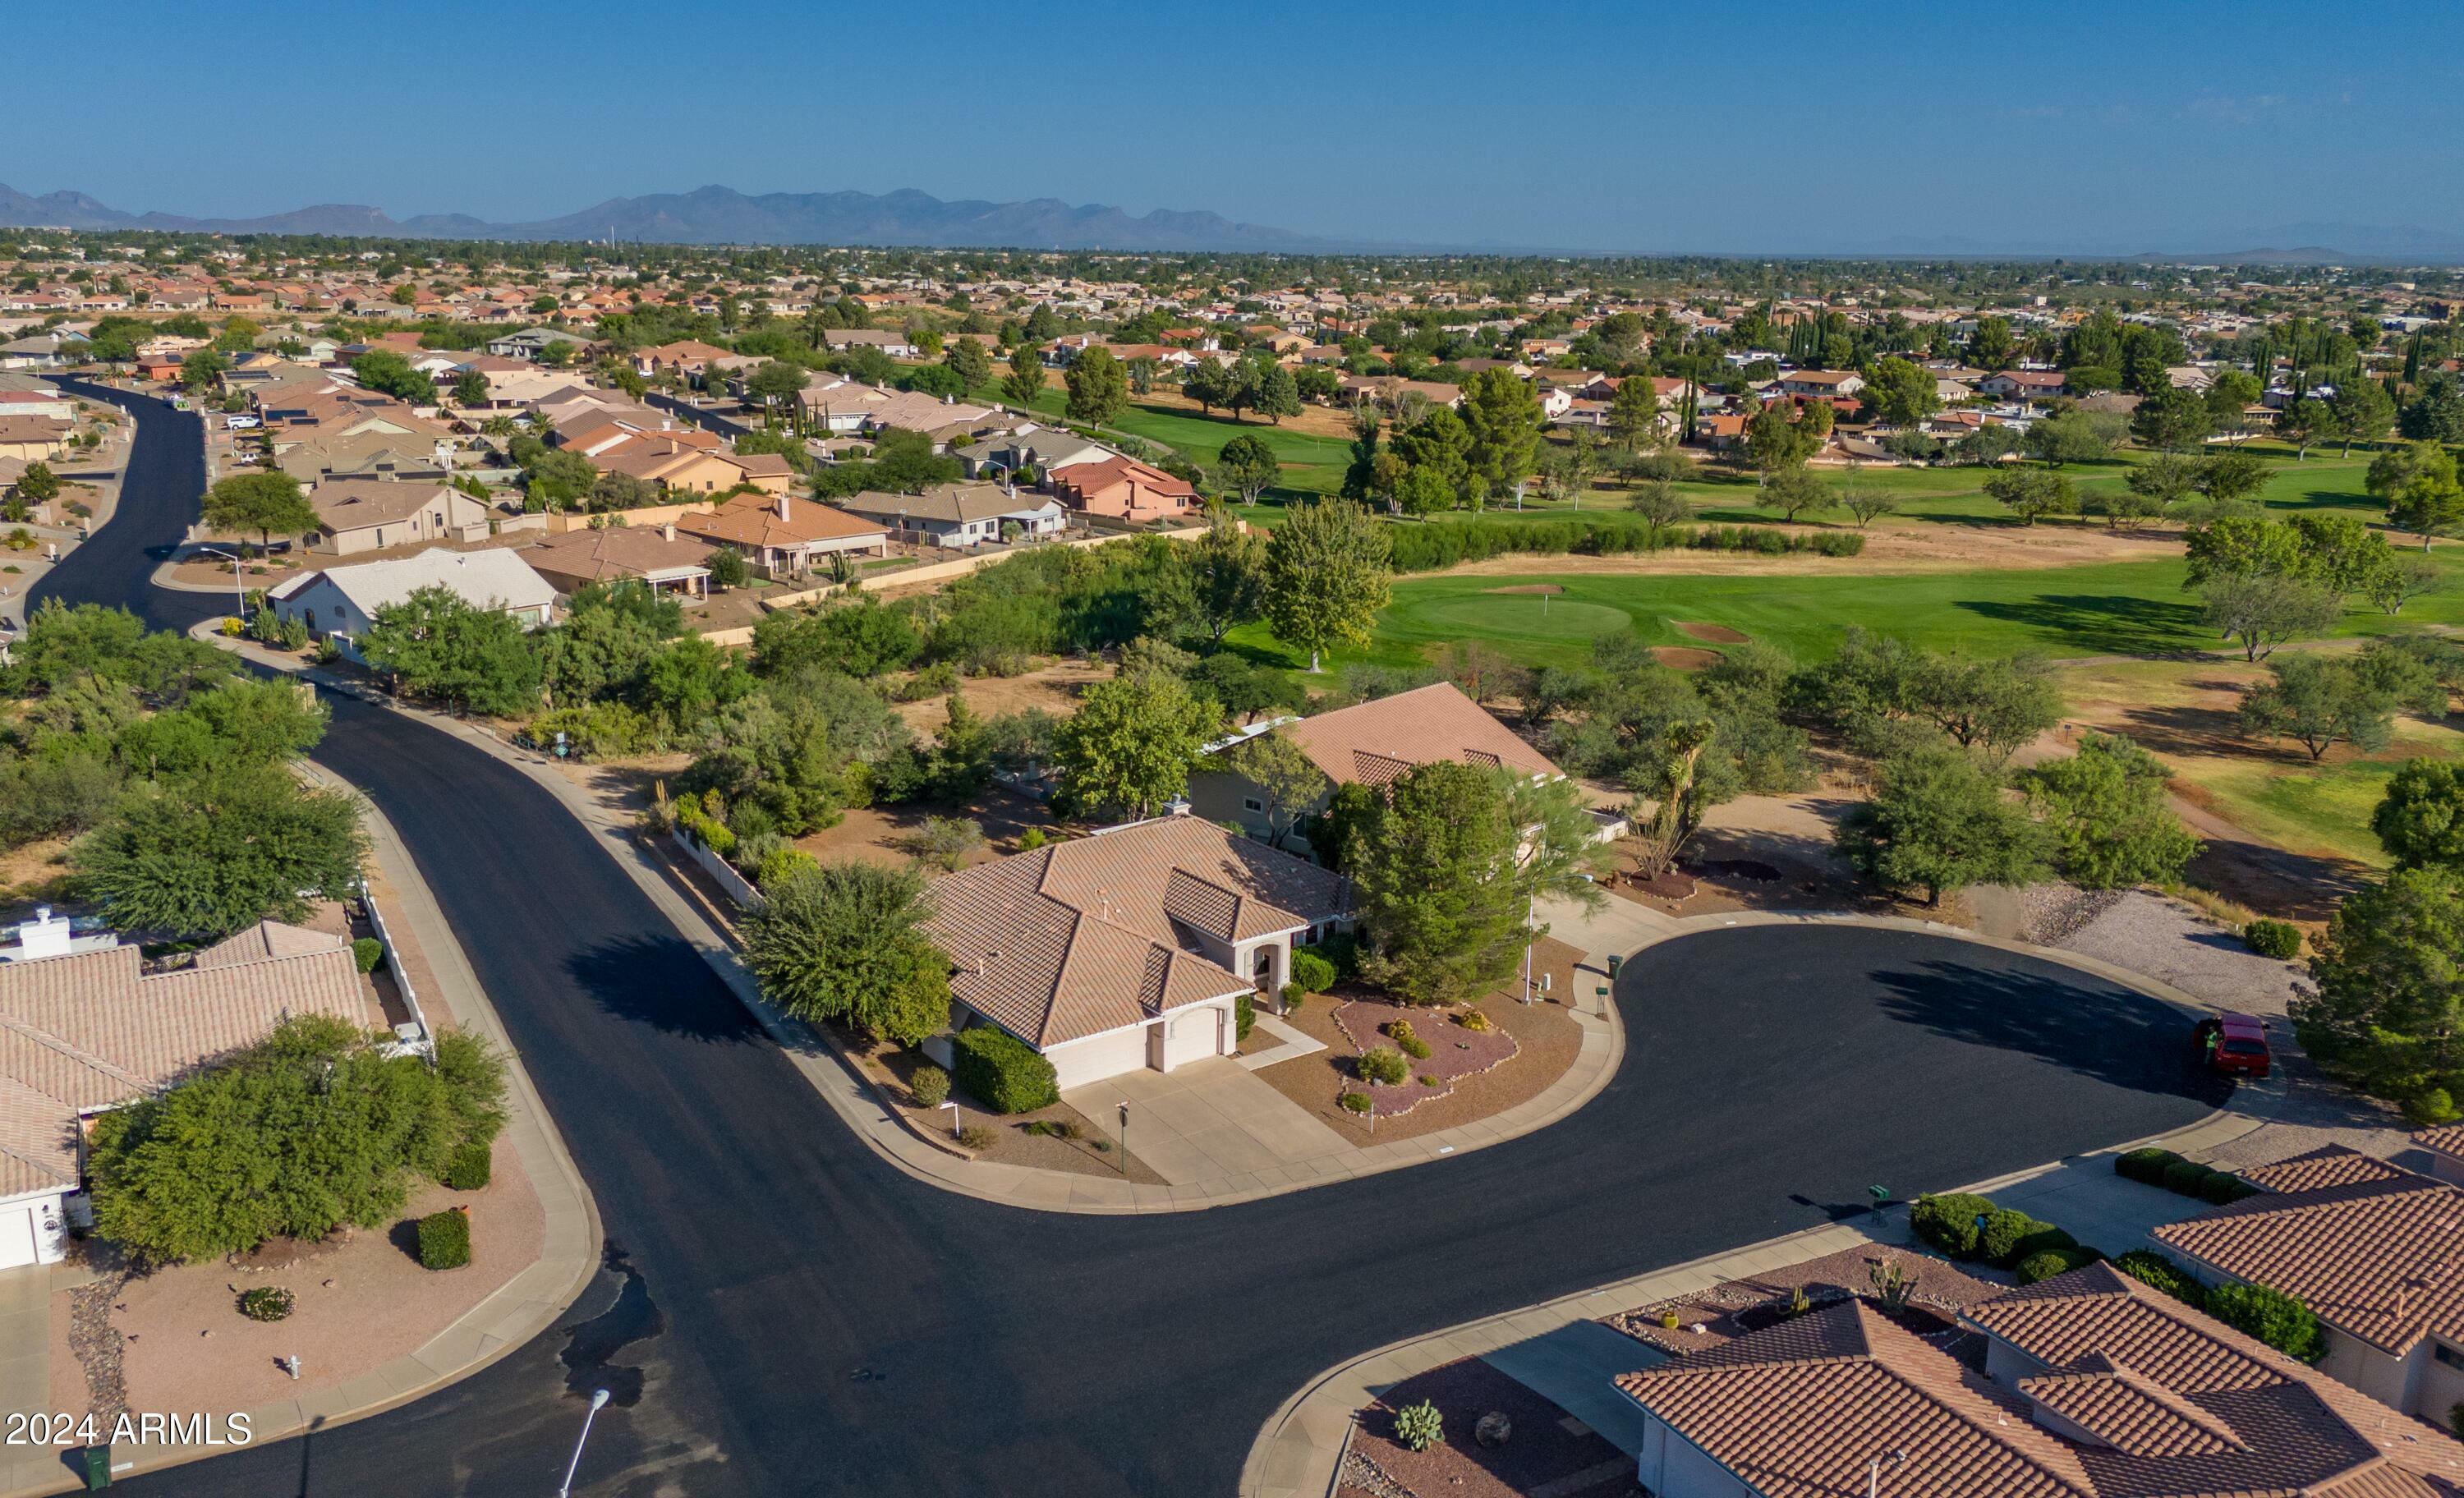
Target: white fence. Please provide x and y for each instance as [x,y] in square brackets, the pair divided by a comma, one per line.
[739,888]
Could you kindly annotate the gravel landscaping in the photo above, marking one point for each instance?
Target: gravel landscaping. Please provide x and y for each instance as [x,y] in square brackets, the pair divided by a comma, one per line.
[1544,1450]
[1726,1312]
[2167,939]
[1455,1051]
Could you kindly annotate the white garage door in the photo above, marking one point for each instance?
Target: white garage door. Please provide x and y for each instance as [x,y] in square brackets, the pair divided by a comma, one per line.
[1195,1033]
[16,1235]
[1098,1056]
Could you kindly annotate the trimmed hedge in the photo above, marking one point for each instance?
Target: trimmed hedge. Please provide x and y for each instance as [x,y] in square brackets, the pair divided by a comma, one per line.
[1245,1016]
[2045,1264]
[2158,1272]
[471,1166]
[1001,1071]
[1313,972]
[2146,1166]
[1439,544]
[1949,1221]
[930,1085]
[2187,1177]
[2280,1320]
[445,1239]
[367,951]
[2223,1186]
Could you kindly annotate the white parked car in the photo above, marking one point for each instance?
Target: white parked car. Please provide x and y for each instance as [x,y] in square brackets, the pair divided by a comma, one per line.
[241,423]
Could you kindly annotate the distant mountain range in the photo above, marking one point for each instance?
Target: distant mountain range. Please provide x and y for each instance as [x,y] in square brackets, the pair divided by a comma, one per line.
[723,216]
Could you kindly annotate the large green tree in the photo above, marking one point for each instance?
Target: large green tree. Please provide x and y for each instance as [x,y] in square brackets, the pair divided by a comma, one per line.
[2105,809]
[443,648]
[1503,419]
[1099,388]
[2319,702]
[1288,781]
[1437,903]
[2420,820]
[846,943]
[1026,376]
[205,855]
[266,501]
[1129,746]
[314,1127]
[2387,1005]
[1327,575]
[1227,574]
[1938,821]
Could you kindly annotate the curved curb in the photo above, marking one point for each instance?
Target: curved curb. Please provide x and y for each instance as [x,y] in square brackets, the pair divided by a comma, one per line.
[1299,1450]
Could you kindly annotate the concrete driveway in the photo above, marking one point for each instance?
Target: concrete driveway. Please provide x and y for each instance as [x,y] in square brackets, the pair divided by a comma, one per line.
[1206,1121]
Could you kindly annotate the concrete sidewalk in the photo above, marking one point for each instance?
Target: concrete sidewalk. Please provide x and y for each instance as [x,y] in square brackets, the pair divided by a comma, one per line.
[524,1307]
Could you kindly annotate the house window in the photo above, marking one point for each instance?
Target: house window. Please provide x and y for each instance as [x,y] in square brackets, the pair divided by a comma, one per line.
[1252,803]
[2451,1356]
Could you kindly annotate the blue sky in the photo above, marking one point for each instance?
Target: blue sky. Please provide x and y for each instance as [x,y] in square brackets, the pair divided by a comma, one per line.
[1642,126]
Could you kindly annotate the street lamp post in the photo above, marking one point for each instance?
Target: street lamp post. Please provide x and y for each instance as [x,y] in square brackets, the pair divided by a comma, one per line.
[598,1402]
[1125,1138]
[239,593]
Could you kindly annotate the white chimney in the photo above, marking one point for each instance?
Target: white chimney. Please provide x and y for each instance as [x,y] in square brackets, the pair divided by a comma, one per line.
[782,507]
[667,532]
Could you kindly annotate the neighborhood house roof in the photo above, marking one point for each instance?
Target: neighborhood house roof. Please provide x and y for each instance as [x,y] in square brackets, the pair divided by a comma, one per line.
[2115,1391]
[1376,741]
[2378,1253]
[92,1029]
[482,578]
[764,520]
[344,504]
[1094,934]
[606,553]
[947,503]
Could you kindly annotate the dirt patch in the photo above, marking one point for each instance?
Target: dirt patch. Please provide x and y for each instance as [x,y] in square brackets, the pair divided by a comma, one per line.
[1546,1449]
[1055,689]
[1059,1137]
[1710,633]
[182,1344]
[1904,546]
[1684,657]
[1547,588]
[887,834]
[1543,1032]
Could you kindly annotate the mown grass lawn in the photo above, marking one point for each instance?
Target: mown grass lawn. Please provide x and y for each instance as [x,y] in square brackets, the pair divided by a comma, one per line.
[2308,807]
[1312,462]
[2117,608]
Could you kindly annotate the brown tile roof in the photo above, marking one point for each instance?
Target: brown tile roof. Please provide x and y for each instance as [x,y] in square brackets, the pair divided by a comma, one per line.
[1088,935]
[92,1029]
[2445,1139]
[605,553]
[344,504]
[1376,741]
[2133,1396]
[2381,1259]
[754,520]
[2328,1165]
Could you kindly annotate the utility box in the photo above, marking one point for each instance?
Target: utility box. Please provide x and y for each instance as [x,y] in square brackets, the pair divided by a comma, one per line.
[97,1467]
[1616,965]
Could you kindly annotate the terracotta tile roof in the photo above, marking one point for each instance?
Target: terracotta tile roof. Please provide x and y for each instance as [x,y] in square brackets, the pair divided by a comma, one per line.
[605,553]
[344,504]
[754,520]
[2445,1139]
[92,1029]
[1088,935]
[2379,1259]
[1376,741]
[2328,1165]
[2133,1396]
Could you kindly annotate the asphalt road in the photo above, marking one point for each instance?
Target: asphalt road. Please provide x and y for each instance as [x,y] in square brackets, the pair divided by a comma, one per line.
[786,1314]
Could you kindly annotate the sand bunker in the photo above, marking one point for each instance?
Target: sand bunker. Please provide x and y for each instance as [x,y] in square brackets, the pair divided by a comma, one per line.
[1684,657]
[1710,633]
[1550,588]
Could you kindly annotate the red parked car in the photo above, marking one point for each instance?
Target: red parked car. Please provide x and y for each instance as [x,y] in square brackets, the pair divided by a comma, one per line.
[2234,1045]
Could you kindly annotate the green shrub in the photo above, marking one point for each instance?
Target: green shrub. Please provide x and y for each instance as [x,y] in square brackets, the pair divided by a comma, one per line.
[1245,1016]
[265,1303]
[2006,1229]
[2272,1316]
[1312,972]
[1948,1222]
[1340,951]
[1354,1102]
[2187,1177]
[445,1239]
[2280,940]
[1414,1046]
[367,951]
[2153,1269]
[1294,996]
[978,1138]
[2146,1166]
[472,1166]
[2047,1263]
[1381,1065]
[1031,840]
[2223,1186]
[1001,1071]
[1419,1426]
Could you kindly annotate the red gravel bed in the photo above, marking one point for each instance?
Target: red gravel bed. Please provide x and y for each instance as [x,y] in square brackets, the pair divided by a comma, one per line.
[1454,1051]
[1540,1450]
